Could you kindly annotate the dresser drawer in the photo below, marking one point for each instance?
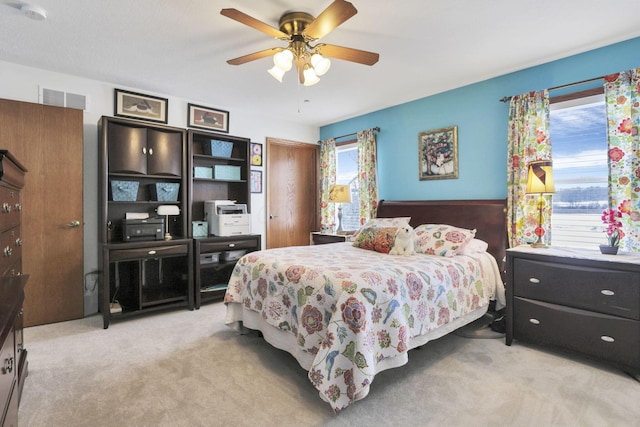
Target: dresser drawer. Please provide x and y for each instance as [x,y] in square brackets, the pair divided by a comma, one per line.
[10,248]
[605,337]
[249,243]
[7,368]
[603,290]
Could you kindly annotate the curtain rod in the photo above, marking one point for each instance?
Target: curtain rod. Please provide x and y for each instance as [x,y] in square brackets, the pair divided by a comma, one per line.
[376,129]
[508,98]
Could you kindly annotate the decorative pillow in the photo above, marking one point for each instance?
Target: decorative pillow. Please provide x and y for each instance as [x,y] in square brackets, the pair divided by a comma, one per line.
[376,239]
[474,246]
[441,239]
[383,222]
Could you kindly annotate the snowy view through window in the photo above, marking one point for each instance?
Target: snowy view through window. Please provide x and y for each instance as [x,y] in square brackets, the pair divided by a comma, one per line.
[579,153]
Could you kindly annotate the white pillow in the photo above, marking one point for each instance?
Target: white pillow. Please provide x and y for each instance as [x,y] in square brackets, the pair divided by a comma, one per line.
[475,246]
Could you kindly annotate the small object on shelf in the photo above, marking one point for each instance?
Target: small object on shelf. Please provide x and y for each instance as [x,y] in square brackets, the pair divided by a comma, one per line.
[609,250]
[210,258]
[228,256]
[199,228]
[218,148]
[115,307]
[164,191]
[227,172]
[124,191]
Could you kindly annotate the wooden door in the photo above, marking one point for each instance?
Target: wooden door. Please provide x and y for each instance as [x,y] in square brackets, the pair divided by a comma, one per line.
[48,142]
[292,192]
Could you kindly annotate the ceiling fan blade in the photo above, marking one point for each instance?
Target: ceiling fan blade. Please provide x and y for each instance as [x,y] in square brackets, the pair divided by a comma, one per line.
[245,19]
[348,54]
[253,56]
[330,18]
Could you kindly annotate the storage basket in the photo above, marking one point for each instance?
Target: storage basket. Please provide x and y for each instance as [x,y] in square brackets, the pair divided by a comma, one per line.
[218,148]
[124,191]
[227,172]
[200,228]
[202,172]
[164,191]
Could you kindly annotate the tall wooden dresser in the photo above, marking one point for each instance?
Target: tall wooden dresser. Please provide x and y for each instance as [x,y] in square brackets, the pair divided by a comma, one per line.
[13,355]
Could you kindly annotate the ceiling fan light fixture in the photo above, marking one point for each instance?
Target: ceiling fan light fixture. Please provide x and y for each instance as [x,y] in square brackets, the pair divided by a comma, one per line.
[310,76]
[283,59]
[320,64]
[277,73]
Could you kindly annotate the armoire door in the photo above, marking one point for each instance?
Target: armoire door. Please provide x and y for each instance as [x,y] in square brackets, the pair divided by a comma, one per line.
[48,142]
[292,192]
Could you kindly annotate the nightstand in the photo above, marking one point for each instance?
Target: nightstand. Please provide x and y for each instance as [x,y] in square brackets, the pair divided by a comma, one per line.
[576,300]
[320,238]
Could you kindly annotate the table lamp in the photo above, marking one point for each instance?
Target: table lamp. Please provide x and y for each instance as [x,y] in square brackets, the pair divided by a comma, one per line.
[339,194]
[540,181]
[166,210]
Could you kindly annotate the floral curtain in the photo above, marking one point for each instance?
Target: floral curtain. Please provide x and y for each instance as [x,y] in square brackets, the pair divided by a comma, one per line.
[327,179]
[623,121]
[367,175]
[528,140]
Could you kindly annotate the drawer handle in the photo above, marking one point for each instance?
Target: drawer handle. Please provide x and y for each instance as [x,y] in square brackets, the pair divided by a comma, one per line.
[232,245]
[534,321]
[152,252]
[607,292]
[607,338]
[534,280]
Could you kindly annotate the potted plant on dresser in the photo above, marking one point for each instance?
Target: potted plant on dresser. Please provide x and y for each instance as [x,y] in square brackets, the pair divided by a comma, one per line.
[612,219]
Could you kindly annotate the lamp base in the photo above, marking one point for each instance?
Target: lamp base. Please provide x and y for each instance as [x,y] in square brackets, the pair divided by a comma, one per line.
[168,236]
[539,245]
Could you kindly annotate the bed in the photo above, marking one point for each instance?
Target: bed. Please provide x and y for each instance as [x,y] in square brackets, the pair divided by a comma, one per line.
[346,313]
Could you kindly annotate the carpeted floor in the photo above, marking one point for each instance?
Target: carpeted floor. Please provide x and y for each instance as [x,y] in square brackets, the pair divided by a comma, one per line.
[184,368]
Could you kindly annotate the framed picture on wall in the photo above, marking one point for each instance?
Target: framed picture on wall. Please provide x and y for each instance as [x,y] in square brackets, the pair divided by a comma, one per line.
[256,181]
[207,118]
[256,154]
[139,106]
[438,153]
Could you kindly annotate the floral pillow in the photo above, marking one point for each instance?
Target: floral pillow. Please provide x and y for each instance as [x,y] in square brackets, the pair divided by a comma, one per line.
[376,239]
[441,239]
[383,222]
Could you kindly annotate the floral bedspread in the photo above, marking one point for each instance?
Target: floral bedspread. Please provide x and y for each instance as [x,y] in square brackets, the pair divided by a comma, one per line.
[352,308]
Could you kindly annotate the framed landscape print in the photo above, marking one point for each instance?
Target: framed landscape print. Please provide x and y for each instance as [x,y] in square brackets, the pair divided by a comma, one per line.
[140,106]
[208,118]
[256,181]
[438,153]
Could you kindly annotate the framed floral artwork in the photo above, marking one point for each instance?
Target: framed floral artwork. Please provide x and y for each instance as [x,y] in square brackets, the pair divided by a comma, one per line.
[438,153]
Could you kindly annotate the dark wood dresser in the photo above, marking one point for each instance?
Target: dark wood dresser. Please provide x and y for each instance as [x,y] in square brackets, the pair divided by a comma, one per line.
[13,355]
[576,300]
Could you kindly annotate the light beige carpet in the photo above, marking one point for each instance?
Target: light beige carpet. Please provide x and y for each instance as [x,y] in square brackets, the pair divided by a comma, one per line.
[185,368]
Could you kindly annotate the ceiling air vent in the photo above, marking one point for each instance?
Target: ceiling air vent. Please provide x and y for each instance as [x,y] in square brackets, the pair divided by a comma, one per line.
[63,99]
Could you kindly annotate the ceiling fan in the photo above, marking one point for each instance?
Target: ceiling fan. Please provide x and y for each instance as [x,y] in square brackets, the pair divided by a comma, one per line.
[300,29]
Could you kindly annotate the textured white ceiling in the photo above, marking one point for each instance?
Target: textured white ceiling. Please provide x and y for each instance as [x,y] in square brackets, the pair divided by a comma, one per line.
[180,47]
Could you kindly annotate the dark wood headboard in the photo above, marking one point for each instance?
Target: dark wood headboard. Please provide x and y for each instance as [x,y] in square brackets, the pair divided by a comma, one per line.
[488,217]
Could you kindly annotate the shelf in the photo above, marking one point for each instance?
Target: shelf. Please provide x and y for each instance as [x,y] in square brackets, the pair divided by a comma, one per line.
[209,158]
[219,180]
[214,288]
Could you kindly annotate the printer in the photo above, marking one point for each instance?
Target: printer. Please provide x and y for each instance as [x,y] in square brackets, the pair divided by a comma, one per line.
[227,218]
[139,229]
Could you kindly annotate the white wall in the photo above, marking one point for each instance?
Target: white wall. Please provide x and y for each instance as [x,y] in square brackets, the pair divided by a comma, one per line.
[22,84]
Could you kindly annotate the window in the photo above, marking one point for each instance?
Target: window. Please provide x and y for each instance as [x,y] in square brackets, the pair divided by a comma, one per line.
[347,174]
[579,152]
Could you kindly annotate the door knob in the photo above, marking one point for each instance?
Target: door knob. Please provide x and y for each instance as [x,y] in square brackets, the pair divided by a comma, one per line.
[75,223]
[273,216]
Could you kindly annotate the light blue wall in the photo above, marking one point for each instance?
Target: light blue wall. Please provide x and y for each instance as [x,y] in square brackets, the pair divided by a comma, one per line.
[482,126]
